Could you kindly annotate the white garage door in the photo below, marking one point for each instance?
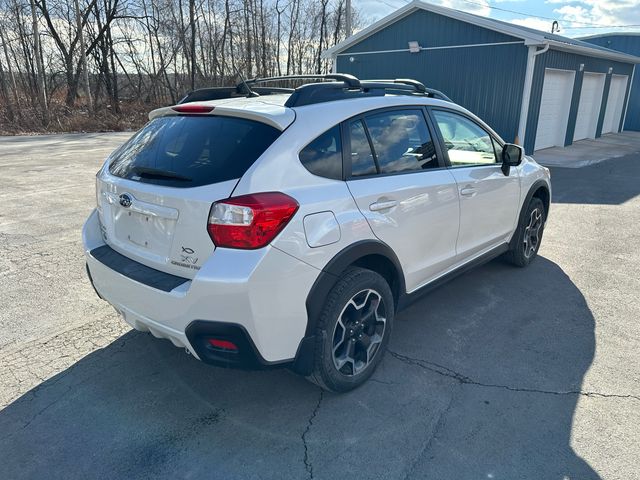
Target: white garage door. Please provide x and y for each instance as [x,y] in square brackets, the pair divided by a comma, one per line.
[589,107]
[554,108]
[615,104]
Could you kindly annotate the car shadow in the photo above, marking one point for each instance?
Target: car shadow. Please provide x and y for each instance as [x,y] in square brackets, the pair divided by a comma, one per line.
[480,381]
[517,342]
[611,182]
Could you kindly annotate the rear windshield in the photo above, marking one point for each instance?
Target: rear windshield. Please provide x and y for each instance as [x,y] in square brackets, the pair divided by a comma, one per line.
[190,151]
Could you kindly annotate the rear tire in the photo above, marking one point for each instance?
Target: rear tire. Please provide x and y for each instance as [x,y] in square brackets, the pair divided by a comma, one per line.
[353,330]
[526,240]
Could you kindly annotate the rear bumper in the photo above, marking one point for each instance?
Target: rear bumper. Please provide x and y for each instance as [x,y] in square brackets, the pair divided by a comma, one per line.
[256,296]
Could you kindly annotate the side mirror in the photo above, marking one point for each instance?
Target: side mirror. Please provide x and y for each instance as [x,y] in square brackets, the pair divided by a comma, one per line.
[511,156]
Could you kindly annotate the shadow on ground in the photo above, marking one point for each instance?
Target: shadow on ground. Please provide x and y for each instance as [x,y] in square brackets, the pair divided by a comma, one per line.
[610,182]
[481,381]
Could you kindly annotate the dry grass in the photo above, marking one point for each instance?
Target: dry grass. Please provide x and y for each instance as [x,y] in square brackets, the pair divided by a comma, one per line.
[30,120]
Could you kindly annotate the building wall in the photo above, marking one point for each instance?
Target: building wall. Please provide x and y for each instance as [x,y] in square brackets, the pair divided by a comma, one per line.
[569,61]
[487,80]
[627,44]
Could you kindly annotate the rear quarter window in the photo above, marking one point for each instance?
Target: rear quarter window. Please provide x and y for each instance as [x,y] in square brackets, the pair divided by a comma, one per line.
[191,151]
[323,156]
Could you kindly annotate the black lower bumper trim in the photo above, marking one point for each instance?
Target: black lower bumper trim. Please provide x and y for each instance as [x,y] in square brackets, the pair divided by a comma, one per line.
[247,357]
[135,270]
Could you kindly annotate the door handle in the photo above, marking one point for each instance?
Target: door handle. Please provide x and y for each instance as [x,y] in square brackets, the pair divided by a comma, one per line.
[468,191]
[377,206]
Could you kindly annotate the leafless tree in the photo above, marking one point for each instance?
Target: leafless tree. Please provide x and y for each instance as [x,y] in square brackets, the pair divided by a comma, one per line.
[104,55]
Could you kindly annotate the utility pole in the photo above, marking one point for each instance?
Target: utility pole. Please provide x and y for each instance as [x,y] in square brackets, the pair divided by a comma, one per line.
[83,56]
[348,19]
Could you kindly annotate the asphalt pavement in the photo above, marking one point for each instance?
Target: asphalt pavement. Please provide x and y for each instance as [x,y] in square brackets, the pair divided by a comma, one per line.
[503,373]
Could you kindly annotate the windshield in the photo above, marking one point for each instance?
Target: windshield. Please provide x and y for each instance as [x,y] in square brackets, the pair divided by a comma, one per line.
[191,151]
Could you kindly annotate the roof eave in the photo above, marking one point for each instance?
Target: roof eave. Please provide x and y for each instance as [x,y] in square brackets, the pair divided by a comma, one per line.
[592,52]
[611,34]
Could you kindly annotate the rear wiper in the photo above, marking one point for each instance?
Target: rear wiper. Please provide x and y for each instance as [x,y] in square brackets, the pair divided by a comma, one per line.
[149,172]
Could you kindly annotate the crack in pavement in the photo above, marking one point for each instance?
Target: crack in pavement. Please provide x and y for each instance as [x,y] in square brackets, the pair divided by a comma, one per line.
[429,441]
[307,463]
[447,372]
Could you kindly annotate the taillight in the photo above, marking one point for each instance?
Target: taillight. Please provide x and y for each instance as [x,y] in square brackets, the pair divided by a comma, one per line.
[192,108]
[250,221]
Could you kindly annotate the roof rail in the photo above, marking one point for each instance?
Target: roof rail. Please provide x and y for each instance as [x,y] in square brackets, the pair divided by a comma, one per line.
[438,94]
[417,86]
[350,80]
[414,84]
[342,87]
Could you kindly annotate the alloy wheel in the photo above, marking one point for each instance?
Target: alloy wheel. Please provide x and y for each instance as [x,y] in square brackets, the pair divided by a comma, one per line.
[532,233]
[359,332]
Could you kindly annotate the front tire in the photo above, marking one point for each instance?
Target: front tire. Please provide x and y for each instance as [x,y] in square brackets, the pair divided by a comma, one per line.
[527,238]
[353,330]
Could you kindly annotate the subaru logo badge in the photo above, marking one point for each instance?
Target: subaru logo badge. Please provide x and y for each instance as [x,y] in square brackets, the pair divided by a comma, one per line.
[125,200]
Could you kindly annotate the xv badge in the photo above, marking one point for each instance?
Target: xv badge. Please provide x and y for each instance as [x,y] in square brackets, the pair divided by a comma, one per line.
[188,257]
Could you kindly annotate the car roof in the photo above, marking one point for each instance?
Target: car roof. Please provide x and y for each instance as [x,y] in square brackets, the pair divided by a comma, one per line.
[271,109]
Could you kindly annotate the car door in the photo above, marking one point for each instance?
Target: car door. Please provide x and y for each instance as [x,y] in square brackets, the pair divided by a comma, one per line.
[489,200]
[404,190]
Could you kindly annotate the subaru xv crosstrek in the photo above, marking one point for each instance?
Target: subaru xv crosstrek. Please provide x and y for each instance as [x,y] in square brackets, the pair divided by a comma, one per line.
[261,226]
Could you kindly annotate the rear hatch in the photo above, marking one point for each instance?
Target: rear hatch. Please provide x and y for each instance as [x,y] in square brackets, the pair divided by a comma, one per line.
[155,192]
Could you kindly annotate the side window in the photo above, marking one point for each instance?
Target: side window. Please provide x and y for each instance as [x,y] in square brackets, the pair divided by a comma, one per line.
[323,156]
[401,141]
[466,142]
[362,162]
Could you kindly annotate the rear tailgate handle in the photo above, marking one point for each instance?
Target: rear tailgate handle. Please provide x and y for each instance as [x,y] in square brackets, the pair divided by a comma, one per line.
[377,206]
[144,208]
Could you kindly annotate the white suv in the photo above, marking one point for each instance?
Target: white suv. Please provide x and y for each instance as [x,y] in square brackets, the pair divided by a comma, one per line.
[278,227]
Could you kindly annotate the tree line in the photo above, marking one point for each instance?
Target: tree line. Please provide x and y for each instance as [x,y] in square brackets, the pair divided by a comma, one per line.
[58,56]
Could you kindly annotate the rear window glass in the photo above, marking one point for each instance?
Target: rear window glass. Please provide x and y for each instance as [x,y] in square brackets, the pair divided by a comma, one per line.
[323,156]
[190,151]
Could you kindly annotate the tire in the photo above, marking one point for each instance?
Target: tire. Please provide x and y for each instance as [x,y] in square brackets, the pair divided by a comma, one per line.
[348,350]
[525,244]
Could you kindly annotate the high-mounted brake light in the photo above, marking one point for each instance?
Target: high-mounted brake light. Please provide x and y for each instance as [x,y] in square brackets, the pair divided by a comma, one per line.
[189,108]
[250,221]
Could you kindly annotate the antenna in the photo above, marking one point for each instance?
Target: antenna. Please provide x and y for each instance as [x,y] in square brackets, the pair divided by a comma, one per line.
[250,93]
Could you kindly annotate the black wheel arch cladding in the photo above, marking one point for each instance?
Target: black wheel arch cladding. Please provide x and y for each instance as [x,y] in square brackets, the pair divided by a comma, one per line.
[329,277]
[539,189]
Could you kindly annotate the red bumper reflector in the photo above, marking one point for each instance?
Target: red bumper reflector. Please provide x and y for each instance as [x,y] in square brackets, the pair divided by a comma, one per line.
[223,344]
